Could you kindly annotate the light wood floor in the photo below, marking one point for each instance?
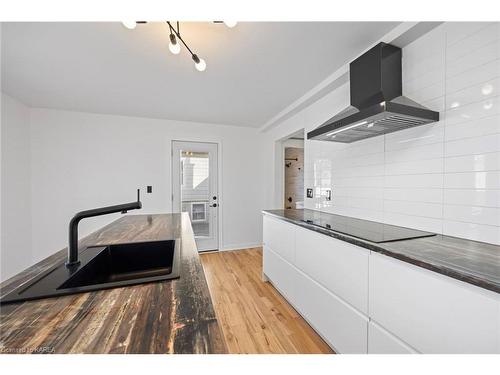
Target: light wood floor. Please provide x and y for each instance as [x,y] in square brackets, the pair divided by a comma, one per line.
[254,317]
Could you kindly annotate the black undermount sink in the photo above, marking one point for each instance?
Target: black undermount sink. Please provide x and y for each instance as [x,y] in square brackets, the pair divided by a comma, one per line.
[125,262]
[103,267]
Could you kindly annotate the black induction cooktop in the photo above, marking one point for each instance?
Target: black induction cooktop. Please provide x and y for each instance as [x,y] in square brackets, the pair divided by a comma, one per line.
[367,230]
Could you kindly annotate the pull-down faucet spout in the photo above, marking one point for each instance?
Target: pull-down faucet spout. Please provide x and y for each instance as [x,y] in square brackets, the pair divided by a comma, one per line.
[73,225]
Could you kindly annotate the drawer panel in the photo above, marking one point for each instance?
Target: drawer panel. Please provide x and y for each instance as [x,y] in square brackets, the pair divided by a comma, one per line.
[339,266]
[281,274]
[280,237]
[382,342]
[431,312]
[344,328]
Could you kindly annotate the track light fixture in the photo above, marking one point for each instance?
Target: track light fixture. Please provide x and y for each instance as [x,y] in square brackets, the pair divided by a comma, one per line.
[173,46]
[175,40]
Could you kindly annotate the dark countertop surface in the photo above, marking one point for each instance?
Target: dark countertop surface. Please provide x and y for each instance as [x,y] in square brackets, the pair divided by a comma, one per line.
[171,316]
[473,262]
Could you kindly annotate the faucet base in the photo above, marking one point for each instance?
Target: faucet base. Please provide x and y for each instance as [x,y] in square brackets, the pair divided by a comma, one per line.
[72,264]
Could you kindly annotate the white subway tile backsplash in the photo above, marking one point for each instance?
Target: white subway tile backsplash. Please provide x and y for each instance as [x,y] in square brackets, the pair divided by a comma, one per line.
[472,197]
[431,151]
[364,160]
[442,177]
[414,195]
[473,111]
[473,163]
[412,137]
[472,214]
[415,167]
[426,83]
[376,181]
[432,210]
[472,180]
[367,214]
[418,222]
[457,31]
[475,58]
[473,94]
[473,42]
[473,128]
[359,192]
[478,232]
[472,146]
[432,181]
[371,170]
[472,77]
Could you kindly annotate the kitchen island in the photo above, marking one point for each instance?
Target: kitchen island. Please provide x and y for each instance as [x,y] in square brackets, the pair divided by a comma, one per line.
[172,316]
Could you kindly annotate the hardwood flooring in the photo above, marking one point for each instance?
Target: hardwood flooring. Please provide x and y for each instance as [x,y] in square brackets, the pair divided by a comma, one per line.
[253,316]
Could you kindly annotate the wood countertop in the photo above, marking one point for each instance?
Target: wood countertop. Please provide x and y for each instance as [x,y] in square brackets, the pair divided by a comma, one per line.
[171,316]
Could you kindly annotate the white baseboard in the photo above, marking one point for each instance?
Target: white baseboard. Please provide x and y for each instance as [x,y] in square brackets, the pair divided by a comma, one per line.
[240,246]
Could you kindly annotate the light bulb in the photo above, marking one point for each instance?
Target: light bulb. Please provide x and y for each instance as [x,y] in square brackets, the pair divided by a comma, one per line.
[230,24]
[129,24]
[174,45]
[201,65]
[174,48]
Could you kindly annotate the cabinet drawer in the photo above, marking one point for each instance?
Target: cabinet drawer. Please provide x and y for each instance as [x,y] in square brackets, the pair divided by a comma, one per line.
[339,266]
[431,312]
[382,342]
[279,236]
[344,328]
[281,274]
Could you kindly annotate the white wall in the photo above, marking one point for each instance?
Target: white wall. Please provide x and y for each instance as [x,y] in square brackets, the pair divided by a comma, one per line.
[443,177]
[79,161]
[16,188]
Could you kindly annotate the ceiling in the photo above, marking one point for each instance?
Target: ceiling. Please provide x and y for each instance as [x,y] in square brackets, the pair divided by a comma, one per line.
[253,72]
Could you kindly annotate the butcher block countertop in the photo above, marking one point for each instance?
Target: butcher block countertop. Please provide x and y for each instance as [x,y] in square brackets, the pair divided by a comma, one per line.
[171,316]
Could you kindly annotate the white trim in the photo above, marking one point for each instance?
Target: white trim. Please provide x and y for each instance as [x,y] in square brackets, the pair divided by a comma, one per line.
[241,246]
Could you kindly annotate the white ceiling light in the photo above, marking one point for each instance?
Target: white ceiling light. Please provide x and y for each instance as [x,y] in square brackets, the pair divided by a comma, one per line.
[200,64]
[175,40]
[129,24]
[173,45]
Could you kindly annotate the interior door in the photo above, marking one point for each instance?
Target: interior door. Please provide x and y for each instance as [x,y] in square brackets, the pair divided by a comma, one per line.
[195,191]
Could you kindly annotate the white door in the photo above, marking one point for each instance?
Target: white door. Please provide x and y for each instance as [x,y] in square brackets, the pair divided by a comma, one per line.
[194,189]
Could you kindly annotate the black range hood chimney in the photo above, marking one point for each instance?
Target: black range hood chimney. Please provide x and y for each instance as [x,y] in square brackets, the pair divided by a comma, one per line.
[377,105]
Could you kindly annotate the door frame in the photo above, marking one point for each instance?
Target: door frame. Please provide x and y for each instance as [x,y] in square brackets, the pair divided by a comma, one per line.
[279,168]
[220,198]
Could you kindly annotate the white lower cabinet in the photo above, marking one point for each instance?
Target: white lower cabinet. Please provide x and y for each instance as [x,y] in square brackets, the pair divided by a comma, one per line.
[339,266]
[281,274]
[340,325]
[431,312]
[382,342]
[280,237]
[364,302]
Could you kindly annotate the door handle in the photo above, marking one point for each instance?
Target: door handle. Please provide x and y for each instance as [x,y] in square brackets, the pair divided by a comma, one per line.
[213,205]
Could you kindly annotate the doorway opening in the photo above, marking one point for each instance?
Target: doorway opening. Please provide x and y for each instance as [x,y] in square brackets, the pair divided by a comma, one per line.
[195,189]
[293,171]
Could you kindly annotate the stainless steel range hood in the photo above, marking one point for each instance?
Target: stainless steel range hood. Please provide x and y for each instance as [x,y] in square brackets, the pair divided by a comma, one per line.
[377,105]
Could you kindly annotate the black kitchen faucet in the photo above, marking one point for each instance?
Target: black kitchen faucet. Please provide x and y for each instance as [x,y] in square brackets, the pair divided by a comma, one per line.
[73,224]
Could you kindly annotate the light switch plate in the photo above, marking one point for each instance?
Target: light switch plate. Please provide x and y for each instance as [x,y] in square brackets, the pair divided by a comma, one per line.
[328,195]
